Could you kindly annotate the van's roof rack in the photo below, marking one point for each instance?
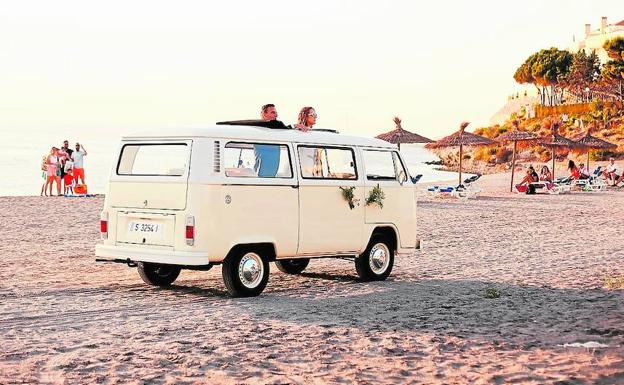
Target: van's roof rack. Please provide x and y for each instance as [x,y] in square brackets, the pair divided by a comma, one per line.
[276,124]
[326,130]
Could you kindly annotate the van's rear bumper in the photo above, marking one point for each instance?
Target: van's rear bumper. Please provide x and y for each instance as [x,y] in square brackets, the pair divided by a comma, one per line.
[152,255]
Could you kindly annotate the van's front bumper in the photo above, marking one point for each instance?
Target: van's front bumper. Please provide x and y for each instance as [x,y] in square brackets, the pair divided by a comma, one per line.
[166,256]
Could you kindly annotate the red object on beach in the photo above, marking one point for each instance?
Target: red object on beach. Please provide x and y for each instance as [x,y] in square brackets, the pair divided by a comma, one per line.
[103,227]
[80,189]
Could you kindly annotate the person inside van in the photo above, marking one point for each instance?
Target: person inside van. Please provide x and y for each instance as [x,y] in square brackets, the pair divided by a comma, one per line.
[307,118]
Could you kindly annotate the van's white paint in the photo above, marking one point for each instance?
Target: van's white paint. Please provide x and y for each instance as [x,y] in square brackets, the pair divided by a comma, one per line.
[299,217]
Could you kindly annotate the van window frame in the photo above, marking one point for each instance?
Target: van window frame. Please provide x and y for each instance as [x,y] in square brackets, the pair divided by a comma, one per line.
[355,164]
[241,178]
[153,144]
[394,165]
[401,164]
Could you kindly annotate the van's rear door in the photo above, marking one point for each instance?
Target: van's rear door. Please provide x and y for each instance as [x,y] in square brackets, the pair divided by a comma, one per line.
[151,175]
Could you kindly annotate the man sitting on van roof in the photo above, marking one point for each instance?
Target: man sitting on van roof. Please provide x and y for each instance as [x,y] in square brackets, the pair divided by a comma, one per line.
[268,113]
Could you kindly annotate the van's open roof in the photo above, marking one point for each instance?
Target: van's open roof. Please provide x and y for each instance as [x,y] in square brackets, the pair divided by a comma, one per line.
[236,132]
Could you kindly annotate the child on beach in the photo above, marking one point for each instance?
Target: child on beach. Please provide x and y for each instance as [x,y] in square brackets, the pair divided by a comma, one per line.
[68,179]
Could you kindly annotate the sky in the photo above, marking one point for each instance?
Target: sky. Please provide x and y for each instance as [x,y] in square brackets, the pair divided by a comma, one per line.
[119,66]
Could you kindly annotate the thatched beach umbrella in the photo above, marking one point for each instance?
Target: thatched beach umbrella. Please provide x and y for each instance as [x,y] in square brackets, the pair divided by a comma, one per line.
[591,142]
[554,141]
[399,135]
[460,139]
[515,136]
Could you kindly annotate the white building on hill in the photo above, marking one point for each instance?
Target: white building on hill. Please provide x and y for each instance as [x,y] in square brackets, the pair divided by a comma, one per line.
[594,40]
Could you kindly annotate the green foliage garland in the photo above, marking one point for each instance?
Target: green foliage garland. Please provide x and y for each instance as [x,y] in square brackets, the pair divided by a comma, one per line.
[347,194]
[376,195]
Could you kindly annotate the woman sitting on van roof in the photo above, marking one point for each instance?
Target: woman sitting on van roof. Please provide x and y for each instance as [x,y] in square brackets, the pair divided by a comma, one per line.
[307,119]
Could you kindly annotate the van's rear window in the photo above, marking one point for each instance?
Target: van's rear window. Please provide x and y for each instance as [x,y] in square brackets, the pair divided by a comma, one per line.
[149,159]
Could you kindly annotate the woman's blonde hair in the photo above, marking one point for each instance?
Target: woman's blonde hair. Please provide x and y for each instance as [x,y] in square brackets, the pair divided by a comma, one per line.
[303,115]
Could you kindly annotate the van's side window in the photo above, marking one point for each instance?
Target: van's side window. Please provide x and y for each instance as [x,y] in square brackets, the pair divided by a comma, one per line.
[149,159]
[327,163]
[379,165]
[257,160]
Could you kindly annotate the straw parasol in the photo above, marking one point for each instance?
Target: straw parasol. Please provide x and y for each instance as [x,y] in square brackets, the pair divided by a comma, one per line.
[399,135]
[554,141]
[461,138]
[591,142]
[515,136]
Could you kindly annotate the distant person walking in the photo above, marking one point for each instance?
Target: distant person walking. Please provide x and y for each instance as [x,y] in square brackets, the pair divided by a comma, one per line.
[78,159]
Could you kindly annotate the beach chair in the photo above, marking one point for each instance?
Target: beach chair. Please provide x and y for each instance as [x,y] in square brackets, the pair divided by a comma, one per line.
[464,191]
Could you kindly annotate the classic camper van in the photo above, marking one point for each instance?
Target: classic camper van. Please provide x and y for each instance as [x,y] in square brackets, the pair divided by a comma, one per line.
[244,196]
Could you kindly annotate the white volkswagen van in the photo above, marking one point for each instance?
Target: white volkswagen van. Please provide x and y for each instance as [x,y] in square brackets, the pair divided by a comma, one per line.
[245,196]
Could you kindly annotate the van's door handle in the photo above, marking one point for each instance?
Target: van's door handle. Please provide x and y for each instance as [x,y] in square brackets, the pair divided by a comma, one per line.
[295,186]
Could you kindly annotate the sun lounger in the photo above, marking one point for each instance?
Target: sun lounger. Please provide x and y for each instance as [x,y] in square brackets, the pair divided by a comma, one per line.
[464,191]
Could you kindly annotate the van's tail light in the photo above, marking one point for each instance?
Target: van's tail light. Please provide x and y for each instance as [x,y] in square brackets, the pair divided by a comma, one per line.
[104,225]
[190,230]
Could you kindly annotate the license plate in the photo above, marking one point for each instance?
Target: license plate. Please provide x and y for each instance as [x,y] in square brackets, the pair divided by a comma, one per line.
[144,227]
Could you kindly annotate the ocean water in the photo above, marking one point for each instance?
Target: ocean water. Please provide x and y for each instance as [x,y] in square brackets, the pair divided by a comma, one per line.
[22,152]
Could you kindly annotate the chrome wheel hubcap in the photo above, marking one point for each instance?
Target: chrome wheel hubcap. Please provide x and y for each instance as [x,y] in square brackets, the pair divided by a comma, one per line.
[250,270]
[379,258]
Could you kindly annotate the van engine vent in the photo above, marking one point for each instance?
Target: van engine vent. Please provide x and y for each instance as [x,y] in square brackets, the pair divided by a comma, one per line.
[216,161]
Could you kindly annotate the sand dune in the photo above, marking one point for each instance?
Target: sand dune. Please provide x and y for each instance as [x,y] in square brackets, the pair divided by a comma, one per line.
[66,319]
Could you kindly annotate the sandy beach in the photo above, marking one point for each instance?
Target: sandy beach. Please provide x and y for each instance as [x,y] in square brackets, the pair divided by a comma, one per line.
[507,289]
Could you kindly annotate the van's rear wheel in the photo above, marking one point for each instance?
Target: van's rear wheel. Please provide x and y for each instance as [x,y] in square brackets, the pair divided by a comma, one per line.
[157,274]
[292,266]
[375,264]
[245,273]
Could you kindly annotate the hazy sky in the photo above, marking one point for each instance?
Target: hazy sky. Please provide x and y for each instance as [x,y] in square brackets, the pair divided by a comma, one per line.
[125,65]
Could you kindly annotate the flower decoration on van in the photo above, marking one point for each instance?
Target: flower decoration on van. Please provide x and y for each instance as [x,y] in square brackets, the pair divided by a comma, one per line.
[347,194]
[376,195]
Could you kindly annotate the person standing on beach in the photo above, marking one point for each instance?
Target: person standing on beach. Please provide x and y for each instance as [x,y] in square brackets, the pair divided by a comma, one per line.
[68,178]
[52,171]
[78,159]
[44,175]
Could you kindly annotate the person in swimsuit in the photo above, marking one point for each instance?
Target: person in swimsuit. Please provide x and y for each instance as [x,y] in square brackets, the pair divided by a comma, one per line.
[53,171]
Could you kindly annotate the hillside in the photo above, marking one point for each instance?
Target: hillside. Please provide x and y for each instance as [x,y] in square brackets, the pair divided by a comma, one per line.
[605,120]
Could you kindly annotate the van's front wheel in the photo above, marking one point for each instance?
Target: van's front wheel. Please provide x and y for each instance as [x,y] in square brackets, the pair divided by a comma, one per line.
[375,263]
[245,274]
[157,274]
[292,266]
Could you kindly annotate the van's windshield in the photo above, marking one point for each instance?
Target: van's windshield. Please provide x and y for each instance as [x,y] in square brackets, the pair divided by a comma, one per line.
[151,159]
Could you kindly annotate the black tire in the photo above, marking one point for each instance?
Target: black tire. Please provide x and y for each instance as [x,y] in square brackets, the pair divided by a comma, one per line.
[376,262]
[292,266]
[245,273]
[157,274]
